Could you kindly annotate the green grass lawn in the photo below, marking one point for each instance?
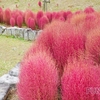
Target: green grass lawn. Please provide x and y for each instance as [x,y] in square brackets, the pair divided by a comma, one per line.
[11,52]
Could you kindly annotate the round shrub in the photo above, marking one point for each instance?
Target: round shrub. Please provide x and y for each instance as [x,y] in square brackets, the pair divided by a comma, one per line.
[38,79]
[1,15]
[12,22]
[91,22]
[31,23]
[62,41]
[89,10]
[49,16]
[29,14]
[39,4]
[7,16]
[20,21]
[38,16]
[67,15]
[93,45]
[81,81]
[43,21]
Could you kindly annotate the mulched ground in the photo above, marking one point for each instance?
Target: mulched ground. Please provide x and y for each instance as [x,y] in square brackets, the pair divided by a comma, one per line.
[12,95]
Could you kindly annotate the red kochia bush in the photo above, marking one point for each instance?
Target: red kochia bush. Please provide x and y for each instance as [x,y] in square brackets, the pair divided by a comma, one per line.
[38,78]
[78,22]
[78,19]
[29,14]
[20,20]
[12,22]
[38,16]
[57,15]
[49,16]
[1,15]
[62,42]
[43,21]
[6,16]
[39,3]
[62,18]
[35,48]
[31,23]
[16,13]
[93,45]
[67,15]
[91,22]
[78,12]
[81,81]
[89,10]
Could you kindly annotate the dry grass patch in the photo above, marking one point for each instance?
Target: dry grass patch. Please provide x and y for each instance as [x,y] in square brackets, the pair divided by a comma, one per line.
[11,52]
[55,5]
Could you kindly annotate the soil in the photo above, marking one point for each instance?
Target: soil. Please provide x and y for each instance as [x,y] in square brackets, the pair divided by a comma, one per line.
[12,94]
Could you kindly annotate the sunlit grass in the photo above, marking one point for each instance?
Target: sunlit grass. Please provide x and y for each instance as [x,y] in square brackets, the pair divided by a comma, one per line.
[11,52]
[52,6]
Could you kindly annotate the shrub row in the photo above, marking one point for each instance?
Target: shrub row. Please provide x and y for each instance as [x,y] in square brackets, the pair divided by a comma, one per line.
[64,62]
[35,20]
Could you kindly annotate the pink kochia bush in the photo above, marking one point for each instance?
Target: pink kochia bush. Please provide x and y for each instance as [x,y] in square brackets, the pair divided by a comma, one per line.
[93,45]
[61,40]
[63,63]
[59,16]
[49,16]
[31,23]
[67,15]
[6,16]
[91,22]
[77,22]
[16,13]
[81,81]
[29,14]
[39,3]
[19,21]
[38,16]
[38,78]
[43,21]
[12,22]
[1,15]
[89,10]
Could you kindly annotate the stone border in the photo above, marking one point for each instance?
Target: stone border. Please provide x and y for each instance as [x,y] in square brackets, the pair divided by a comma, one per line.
[25,33]
[8,81]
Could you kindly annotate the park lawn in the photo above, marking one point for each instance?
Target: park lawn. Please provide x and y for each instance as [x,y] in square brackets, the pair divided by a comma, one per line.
[11,52]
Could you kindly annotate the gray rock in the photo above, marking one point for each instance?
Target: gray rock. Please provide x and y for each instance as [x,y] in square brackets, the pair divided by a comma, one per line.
[26,34]
[21,32]
[9,79]
[4,32]
[8,31]
[2,29]
[3,90]
[13,31]
[15,70]
[32,34]
[38,33]
[17,34]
